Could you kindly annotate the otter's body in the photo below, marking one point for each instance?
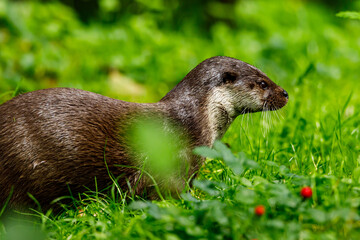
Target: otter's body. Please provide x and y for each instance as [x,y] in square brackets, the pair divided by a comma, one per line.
[58,139]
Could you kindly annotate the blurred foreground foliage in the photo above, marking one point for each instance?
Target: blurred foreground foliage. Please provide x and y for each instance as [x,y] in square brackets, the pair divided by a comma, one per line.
[220,206]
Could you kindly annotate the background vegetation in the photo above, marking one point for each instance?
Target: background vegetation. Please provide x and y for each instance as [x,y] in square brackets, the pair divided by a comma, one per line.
[138,50]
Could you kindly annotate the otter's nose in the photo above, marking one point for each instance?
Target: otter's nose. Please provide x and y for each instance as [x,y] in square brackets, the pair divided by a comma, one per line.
[285,94]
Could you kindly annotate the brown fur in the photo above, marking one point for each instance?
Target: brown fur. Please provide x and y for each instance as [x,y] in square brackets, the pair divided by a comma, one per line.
[58,139]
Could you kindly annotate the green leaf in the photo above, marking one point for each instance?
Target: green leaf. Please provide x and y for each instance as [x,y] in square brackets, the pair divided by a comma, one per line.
[275,224]
[225,152]
[245,196]
[341,213]
[188,197]
[272,164]
[206,152]
[251,164]
[246,182]
[356,175]
[349,14]
[317,215]
[220,217]
[236,167]
[259,180]
[355,202]
[138,205]
[208,186]
[195,231]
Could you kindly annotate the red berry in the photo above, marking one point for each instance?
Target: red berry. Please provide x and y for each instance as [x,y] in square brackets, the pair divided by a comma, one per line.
[306,192]
[259,210]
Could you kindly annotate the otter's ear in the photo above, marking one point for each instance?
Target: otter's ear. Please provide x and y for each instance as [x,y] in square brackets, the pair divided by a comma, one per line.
[229,77]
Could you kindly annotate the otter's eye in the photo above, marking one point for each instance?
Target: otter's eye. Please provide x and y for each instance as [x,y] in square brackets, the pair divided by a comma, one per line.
[229,77]
[263,85]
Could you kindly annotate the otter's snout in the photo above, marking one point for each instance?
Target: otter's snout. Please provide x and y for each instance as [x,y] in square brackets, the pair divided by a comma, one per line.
[277,99]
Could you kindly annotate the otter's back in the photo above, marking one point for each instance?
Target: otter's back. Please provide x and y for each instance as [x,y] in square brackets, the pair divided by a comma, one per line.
[47,137]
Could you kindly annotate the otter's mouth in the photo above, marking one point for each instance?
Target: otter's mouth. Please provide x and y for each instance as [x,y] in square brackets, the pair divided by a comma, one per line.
[266,107]
[271,105]
[247,110]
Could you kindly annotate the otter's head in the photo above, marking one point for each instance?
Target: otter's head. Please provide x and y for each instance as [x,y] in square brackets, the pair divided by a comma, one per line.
[239,87]
[223,88]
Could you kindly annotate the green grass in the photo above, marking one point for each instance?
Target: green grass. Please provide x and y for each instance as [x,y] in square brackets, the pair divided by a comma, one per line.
[314,141]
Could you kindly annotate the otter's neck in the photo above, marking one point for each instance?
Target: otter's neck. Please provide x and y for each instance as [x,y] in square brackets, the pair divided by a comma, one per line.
[206,117]
[220,112]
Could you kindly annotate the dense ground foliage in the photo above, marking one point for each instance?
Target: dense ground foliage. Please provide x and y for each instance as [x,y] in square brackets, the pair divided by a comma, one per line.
[302,46]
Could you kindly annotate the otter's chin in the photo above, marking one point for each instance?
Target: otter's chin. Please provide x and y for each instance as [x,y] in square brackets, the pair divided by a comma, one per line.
[248,110]
[274,107]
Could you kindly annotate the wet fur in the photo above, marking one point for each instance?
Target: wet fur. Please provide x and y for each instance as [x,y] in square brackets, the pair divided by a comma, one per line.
[58,139]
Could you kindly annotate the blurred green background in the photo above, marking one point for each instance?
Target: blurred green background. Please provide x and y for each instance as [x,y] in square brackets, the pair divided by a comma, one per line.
[138,50]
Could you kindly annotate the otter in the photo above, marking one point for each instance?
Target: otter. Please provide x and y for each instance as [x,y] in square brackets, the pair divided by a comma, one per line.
[53,141]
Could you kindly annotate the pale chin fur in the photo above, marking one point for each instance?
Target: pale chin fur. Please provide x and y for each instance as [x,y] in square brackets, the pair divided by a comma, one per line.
[223,105]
